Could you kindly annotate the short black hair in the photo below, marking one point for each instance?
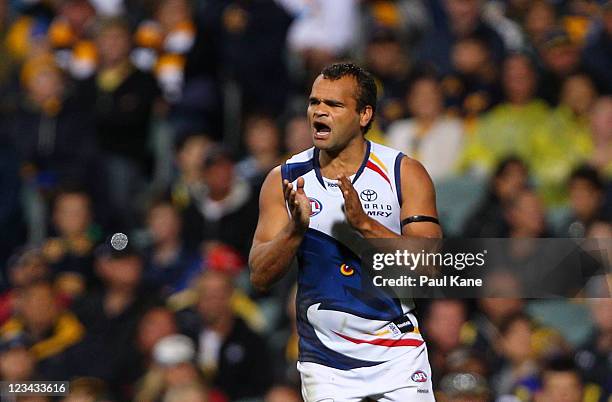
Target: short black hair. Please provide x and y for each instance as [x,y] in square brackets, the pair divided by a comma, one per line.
[366,93]
[589,174]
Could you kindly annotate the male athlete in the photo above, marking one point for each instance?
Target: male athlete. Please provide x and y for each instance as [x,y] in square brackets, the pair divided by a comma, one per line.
[354,342]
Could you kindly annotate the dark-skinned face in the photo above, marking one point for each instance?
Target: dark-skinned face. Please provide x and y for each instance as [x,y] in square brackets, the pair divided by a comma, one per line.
[332,113]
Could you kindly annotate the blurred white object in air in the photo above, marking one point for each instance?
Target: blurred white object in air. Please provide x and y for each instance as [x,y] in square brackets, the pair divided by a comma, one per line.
[174,349]
[108,8]
[321,24]
[119,241]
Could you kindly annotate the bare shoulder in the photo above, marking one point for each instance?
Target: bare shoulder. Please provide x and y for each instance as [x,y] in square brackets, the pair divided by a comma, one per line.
[414,173]
[272,187]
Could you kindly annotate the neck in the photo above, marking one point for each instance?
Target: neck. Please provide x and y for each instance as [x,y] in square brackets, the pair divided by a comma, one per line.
[346,161]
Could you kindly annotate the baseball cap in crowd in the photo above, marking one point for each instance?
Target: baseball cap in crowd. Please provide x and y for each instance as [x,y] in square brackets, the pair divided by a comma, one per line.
[174,349]
[224,258]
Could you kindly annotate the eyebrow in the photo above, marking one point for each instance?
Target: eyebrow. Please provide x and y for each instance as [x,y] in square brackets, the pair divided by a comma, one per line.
[330,102]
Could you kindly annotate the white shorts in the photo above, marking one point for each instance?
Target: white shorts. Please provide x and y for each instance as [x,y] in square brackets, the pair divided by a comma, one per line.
[399,380]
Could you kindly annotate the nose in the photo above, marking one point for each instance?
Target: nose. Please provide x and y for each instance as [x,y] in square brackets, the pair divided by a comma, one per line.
[320,112]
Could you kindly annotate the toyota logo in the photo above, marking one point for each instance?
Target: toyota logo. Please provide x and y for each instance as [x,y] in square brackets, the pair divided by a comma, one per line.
[368,195]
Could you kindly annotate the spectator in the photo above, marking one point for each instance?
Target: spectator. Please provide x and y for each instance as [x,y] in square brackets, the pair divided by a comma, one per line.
[540,18]
[87,390]
[162,44]
[561,381]
[597,53]
[321,30]
[227,348]
[482,331]
[472,87]
[387,59]
[251,39]
[445,318]
[560,58]
[509,178]
[513,122]
[298,136]
[563,141]
[52,333]
[122,98]
[169,265]
[69,36]
[591,357]
[174,375]
[463,19]
[228,210]
[51,131]
[111,316]
[189,184]
[262,139]
[17,362]
[70,252]
[601,129]
[514,344]
[586,201]
[466,360]
[429,136]
[155,324]
[525,216]
[25,267]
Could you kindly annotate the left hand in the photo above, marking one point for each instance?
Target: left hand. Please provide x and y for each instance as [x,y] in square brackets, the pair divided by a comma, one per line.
[353,210]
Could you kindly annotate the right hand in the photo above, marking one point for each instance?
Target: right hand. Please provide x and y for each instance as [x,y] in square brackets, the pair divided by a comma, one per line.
[298,202]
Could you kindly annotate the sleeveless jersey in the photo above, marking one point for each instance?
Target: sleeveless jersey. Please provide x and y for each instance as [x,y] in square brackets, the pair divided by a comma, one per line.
[344,322]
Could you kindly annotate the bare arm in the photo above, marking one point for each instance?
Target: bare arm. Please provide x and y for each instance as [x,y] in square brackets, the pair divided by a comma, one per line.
[419,198]
[278,234]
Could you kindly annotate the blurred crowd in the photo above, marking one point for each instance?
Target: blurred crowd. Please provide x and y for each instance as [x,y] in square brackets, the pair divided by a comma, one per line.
[161,118]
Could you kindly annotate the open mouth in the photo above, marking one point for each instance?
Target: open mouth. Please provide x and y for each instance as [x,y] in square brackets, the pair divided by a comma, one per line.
[322,130]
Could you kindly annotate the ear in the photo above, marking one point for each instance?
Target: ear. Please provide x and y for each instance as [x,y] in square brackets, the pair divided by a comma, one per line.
[365,116]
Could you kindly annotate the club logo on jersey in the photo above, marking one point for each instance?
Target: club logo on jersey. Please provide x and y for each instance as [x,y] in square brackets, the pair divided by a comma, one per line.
[419,376]
[315,206]
[368,195]
[346,270]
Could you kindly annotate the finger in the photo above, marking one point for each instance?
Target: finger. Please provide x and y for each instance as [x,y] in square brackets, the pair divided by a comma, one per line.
[300,185]
[291,199]
[287,188]
[345,185]
[344,182]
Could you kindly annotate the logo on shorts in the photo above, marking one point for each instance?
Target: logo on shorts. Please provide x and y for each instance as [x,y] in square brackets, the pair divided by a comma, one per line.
[419,376]
[315,206]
